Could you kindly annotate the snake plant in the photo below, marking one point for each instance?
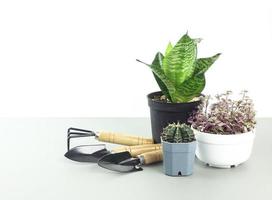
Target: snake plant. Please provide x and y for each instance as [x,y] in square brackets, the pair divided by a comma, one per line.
[179,73]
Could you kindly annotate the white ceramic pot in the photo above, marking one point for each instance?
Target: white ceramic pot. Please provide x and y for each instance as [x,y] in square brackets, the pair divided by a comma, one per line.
[224,151]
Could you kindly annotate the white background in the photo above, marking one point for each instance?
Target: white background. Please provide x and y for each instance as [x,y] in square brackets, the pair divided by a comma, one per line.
[77,58]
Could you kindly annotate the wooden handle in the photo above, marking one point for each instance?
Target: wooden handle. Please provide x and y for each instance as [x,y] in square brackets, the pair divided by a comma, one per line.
[138,149]
[118,138]
[151,157]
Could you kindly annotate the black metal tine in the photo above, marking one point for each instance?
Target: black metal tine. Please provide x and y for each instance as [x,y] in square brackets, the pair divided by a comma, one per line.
[69,139]
[77,134]
[78,129]
[80,132]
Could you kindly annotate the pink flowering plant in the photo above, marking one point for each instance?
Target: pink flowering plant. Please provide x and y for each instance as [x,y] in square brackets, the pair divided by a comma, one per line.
[225,115]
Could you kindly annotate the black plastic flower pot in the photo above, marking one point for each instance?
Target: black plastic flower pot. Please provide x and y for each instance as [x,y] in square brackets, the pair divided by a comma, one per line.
[162,114]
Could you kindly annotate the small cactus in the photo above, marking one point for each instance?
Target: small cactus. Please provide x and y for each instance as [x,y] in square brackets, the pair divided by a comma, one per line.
[178,133]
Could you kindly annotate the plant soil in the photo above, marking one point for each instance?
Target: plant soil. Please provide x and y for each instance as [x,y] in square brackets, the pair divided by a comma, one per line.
[163,99]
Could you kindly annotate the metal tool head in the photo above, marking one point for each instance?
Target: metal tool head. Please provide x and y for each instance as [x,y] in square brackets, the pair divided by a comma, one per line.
[87,153]
[77,133]
[84,153]
[120,162]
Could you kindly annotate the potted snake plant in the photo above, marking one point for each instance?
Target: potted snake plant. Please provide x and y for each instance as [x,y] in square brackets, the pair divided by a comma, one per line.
[225,130]
[181,77]
[178,143]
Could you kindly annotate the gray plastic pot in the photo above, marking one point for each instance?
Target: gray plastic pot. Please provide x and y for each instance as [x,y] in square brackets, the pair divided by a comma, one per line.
[178,158]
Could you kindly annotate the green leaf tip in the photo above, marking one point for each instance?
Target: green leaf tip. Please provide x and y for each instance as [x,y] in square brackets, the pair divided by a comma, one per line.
[203,64]
[185,38]
[168,48]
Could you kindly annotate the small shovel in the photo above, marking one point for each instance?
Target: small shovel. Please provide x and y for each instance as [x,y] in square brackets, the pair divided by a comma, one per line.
[124,162]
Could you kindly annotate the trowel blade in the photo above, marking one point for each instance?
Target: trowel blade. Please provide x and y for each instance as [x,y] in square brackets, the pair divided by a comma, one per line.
[112,162]
[86,153]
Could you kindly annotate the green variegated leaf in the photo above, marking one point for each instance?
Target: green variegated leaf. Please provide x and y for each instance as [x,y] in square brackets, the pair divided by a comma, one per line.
[168,49]
[160,74]
[203,64]
[191,88]
[157,63]
[195,85]
[178,64]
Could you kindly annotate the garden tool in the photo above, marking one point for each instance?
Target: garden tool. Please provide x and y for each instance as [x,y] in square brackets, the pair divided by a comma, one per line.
[124,162]
[116,138]
[91,153]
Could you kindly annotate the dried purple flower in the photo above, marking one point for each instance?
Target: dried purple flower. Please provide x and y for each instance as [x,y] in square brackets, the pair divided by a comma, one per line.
[225,115]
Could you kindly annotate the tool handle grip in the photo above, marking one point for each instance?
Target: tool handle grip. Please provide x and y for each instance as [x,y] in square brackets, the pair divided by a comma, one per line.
[151,157]
[138,149]
[118,138]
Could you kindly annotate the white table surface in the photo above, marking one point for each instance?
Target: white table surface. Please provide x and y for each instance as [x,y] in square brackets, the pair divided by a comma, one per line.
[33,167]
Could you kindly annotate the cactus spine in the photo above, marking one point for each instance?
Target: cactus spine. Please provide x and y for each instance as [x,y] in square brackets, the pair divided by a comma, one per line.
[178,133]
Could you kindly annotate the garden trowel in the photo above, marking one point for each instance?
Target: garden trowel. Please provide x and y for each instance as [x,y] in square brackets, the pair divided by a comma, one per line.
[124,162]
[92,153]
